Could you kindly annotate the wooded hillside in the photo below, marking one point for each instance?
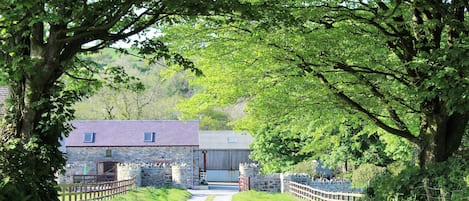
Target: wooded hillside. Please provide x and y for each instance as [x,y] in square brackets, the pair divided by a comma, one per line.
[163,88]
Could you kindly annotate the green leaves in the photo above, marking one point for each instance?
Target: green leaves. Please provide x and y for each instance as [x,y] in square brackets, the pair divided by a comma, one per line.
[312,64]
[39,45]
[155,50]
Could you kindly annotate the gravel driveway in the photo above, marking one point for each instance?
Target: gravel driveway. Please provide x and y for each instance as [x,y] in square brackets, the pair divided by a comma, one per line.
[221,191]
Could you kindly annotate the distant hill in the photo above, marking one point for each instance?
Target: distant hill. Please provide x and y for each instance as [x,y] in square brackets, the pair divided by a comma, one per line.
[156,102]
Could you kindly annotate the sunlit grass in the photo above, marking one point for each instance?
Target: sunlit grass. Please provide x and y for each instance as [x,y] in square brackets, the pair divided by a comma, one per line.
[154,194]
[210,198]
[261,196]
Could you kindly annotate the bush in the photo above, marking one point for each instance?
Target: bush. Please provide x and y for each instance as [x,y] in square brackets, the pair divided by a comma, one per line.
[409,184]
[313,168]
[362,176]
[306,167]
[8,191]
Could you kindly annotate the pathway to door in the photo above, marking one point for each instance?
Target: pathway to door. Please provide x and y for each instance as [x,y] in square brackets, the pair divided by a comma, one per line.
[221,191]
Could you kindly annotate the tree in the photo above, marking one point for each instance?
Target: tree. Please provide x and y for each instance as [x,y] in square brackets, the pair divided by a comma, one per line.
[39,42]
[154,101]
[354,148]
[398,64]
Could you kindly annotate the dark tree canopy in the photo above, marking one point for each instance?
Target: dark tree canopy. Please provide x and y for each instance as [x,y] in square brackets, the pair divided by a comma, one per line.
[39,44]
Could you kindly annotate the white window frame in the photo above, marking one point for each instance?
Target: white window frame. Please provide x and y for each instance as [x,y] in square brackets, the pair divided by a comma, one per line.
[89,137]
[146,134]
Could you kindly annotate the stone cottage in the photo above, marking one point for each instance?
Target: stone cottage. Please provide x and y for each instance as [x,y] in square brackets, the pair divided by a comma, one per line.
[110,149]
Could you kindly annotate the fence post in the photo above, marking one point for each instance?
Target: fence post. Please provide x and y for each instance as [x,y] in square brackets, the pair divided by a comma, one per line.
[94,191]
[443,194]
[427,190]
[62,191]
[308,193]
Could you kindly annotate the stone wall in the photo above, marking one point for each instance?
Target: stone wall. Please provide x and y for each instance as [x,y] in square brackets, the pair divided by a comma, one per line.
[280,182]
[150,174]
[334,186]
[285,179]
[157,175]
[127,171]
[182,176]
[179,154]
[249,169]
[268,183]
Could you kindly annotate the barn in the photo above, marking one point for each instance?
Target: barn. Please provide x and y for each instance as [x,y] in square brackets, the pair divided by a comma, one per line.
[220,153]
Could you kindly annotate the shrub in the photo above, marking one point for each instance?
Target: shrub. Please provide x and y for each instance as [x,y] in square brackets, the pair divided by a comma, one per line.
[362,176]
[409,184]
[306,167]
[8,191]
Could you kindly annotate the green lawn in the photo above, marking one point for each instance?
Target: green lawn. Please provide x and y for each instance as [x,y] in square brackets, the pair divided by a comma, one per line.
[261,196]
[155,194]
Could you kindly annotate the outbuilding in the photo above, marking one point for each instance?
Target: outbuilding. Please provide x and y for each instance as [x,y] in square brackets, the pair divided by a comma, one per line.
[221,152]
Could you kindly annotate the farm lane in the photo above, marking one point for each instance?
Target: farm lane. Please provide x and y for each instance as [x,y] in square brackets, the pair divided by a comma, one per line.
[221,191]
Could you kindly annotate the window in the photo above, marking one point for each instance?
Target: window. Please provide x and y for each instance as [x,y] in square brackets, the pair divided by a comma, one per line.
[149,136]
[108,153]
[89,137]
[232,139]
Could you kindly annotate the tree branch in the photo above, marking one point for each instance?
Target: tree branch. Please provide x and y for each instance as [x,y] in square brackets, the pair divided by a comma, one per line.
[89,30]
[401,133]
[374,90]
[80,78]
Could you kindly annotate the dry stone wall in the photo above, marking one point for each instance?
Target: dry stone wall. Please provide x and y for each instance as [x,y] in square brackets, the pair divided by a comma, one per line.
[157,175]
[182,175]
[127,171]
[334,186]
[268,183]
[280,182]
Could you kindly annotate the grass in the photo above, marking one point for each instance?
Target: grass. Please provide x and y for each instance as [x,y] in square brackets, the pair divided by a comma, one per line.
[155,194]
[210,198]
[261,196]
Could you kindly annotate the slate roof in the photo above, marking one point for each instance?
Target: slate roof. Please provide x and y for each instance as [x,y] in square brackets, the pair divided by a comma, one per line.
[131,133]
[224,139]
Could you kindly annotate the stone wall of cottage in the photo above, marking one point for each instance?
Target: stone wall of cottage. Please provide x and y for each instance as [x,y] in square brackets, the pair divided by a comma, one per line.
[155,166]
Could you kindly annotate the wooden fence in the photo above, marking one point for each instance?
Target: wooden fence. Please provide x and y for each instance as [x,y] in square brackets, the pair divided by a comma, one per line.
[95,191]
[309,193]
[93,178]
[244,183]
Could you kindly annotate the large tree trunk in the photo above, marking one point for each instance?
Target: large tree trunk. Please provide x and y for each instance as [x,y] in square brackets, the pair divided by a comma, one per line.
[33,123]
[33,159]
[440,132]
